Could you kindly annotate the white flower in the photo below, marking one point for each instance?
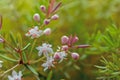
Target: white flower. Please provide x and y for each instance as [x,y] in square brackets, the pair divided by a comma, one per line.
[45,49]
[34,32]
[1,63]
[15,76]
[48,64]
[60,55]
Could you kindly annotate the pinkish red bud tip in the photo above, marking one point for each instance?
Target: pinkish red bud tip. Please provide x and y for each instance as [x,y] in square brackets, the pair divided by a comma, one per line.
[75,39]
[82,46]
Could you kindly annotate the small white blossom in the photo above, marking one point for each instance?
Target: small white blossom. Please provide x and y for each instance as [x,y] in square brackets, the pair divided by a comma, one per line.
[15,76]
[45,49]
[1,63]
[49,63]
[34,32]
[60,55]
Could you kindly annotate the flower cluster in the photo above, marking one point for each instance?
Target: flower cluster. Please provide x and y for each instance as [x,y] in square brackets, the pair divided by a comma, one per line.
[47,51]
[50,15]
[34,32]
[61,53]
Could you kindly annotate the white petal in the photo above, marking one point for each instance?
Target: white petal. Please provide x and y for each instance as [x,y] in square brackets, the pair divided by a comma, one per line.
[14,73]
[1,61]
[45,68]
[10,78]
[39,53]
[0,65]
[20,73]
[36,27]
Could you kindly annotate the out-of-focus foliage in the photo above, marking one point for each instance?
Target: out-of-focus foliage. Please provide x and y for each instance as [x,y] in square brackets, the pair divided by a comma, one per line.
[108,43]
[85,18]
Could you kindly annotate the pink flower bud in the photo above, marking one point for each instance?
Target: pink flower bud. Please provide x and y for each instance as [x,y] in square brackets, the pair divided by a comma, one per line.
[1,40]
[55,17]
[75,39]
[64,39]
[43,8]
[47,31]
[75,56]
[57,56]
[65,48]
[46,21]
[36,17]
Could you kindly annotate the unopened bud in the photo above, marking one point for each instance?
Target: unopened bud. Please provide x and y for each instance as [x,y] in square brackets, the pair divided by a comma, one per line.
[55,17]
[47,31]
[64,39]
[46,21]
[75,56]
[43,8]
[36,17]
[65,48]
[75,39]
[56,55]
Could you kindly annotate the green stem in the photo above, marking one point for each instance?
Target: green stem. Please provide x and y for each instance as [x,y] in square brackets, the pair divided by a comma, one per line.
[36,61]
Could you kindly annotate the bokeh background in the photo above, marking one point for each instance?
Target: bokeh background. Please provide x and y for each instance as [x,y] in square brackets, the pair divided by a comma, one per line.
[78,17]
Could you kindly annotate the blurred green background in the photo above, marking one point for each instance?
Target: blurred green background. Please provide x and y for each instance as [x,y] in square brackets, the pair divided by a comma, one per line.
[80,17]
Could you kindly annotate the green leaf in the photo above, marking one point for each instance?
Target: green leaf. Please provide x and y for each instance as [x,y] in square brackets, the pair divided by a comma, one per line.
[19,40]
[110,36]
[67,75]
[7,58]
[31,69]
[13,38]
[107,40]
[26,46]
[49,75]
[76,67]
[24,57]
[101,67]
[32,46]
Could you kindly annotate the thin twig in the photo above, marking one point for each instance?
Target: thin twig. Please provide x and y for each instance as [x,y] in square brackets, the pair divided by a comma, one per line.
[9,70]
